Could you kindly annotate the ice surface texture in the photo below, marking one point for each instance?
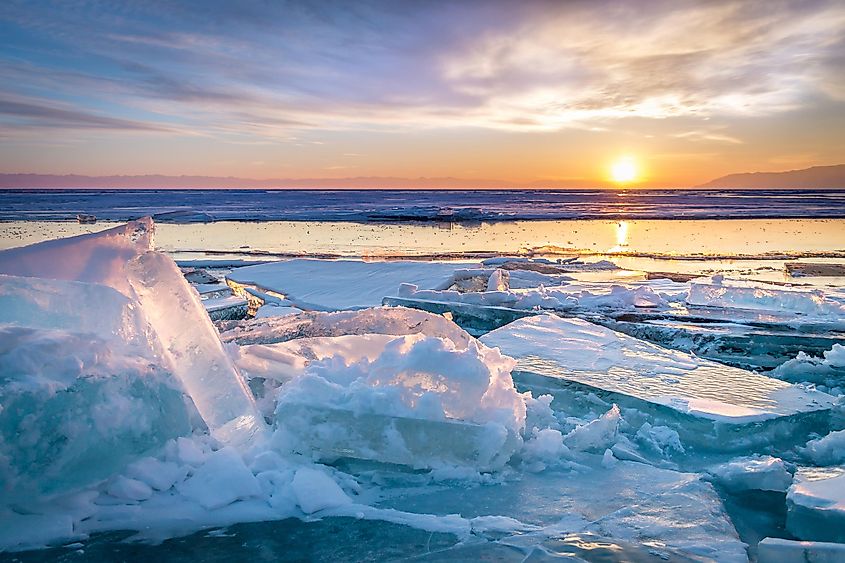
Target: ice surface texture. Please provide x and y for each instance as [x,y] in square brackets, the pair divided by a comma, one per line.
[586,353]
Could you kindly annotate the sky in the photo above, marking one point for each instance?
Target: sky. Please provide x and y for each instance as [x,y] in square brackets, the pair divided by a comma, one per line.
[521,92]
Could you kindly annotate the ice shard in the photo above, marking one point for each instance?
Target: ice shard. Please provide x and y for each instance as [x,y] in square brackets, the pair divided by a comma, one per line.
[193,350]
[730,404]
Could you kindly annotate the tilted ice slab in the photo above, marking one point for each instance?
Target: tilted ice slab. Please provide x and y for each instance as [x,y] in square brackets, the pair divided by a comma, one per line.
[331,285]
[577,351]
[193,350]
[92,338]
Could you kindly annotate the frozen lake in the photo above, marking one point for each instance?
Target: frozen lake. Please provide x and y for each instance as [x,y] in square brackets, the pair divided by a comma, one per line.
[423,205]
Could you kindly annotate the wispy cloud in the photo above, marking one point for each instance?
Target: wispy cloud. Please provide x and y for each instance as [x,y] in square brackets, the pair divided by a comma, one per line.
[519,66]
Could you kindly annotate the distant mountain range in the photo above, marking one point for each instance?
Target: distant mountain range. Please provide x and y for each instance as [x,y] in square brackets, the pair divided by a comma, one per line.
[817,177]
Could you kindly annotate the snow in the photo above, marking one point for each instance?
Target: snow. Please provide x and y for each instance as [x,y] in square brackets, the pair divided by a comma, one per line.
[817,508]
[598,434]
[129,489]
[157,474]
[579,351]
[400,399]
[315,491]
[332,285]
[756,473]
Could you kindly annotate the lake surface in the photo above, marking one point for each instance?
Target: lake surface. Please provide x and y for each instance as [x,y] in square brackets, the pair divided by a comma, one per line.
[423,205]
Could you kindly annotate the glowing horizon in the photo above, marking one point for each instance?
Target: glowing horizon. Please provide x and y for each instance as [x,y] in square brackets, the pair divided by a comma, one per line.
[512,92]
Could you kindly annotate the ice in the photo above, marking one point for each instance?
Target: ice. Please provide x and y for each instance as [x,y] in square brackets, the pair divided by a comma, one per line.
[626,502]
[331,285]
[129,489]
[226,308]
[574,350]
[598,434]
[267,311]
[68,305]
[220,481]
[193,350]
[740,294]
[816,506]
[315,491]
[778,550]
[414,400]
[568,297]
[94,258]
[828,370]
[159,475]
[499,281]
[829,450]
[377,320]
[756,473]
[33,530]
[75,409]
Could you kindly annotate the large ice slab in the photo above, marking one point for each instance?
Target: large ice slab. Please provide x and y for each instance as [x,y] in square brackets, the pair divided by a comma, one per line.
[574,350]
[627,501]
[341,284]
[816,506]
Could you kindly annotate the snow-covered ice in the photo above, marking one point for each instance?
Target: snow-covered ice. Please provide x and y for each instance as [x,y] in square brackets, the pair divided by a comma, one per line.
[816,503]
[331,285]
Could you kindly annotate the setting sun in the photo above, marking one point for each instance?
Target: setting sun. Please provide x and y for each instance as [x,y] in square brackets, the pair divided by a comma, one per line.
[624,170]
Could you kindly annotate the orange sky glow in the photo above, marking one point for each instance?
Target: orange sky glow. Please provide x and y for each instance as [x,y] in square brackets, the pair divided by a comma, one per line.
[518,92]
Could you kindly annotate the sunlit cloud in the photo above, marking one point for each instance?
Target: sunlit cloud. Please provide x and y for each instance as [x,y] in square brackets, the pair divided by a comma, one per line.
[286,74]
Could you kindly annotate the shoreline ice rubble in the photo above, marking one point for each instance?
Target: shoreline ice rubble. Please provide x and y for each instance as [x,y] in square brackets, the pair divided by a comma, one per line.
[381,413]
